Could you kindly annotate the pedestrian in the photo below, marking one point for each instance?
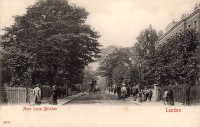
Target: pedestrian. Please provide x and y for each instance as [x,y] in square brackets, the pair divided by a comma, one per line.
[165,97]
[37,94]
[128,91]
[146,95]
[139,96]
[115,90]
[143,95]
[150,94]
[135,92]
[170,97]
[187,92]
[118,91]
[54,95]
[124,91]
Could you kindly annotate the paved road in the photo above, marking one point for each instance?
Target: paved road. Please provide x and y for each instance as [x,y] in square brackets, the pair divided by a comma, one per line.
[100,98]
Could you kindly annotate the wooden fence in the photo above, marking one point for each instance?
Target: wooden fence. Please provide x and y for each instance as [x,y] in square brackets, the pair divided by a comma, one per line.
[179,93]
[195,95]
[21,95]
[15,95]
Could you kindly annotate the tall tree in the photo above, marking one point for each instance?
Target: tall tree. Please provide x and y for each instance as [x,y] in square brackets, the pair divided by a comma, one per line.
[50,38]
[145,54]
[177,59]
[114,65]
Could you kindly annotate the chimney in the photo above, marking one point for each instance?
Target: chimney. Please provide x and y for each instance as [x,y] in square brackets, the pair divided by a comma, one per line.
[183,16]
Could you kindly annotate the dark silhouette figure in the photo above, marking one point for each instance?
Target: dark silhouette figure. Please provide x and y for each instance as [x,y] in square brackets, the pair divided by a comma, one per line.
[187,92]
[170,97]
[54,95]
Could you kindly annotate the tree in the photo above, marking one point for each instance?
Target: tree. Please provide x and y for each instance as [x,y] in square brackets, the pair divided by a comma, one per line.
[177,59]
[51,39]
[89,76]
[145,54]
[114,65]
[147,40]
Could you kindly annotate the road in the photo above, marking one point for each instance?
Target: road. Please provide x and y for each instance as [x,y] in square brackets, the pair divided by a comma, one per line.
[100,98]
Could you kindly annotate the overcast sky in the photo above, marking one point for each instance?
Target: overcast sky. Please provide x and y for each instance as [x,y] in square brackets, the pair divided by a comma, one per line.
[118,21]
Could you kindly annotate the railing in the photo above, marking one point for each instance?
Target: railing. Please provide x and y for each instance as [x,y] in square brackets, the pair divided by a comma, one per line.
[195,95]
[179,93]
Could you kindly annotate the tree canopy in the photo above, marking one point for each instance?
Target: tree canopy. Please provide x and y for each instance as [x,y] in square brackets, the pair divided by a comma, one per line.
[177,59]
[50,40]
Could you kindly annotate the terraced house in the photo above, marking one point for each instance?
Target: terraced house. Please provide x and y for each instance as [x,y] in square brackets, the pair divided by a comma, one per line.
[188,21]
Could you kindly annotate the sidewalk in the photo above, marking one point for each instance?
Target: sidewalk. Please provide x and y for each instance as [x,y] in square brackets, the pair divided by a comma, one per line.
[152,103]
[147,103]
[62,101]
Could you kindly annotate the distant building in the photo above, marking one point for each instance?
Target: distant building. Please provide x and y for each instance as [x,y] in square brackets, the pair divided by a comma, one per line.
[188,21]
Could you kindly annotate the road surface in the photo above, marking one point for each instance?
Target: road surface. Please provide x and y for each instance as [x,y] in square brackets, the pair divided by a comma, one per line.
[100,98]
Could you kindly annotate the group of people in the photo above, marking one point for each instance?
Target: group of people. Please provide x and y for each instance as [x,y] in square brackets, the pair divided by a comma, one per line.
[37,93]
[125,91]
[144,95]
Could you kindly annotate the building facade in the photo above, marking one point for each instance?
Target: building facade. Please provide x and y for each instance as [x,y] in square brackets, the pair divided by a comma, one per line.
[188,21]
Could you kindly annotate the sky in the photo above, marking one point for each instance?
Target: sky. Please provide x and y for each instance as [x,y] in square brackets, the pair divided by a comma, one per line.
[118,22]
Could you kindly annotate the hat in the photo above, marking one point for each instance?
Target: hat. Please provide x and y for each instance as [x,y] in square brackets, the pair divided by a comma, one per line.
[37,84]
[123,84]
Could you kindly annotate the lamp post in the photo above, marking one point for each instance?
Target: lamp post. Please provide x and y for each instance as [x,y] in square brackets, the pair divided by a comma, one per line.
[140,66]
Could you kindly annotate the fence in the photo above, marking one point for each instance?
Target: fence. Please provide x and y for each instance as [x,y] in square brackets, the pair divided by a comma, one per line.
[179,93]
[15,95]
[195,95]
[20,95]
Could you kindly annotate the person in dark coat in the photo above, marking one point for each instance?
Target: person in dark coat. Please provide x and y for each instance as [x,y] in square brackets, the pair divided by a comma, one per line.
[187,92]
[150,95]
[118,91]
[135,92]
[54,95]
[170,97]
[128,91]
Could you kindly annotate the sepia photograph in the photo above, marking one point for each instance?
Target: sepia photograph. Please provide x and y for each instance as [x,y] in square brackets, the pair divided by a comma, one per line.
[92,63]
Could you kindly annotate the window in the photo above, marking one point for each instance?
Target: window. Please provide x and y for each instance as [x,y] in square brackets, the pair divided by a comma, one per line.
[195,24]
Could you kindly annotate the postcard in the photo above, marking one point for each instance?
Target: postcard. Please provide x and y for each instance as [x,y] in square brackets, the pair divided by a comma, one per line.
[99,63]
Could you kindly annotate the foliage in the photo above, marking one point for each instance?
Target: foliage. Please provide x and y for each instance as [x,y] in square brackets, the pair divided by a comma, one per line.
[177,60]
[51,39]
[144,54]
[89,76]
[115,65]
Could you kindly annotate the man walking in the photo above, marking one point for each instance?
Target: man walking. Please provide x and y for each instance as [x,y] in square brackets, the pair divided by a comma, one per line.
[37,94]
[124,91]
[54,95]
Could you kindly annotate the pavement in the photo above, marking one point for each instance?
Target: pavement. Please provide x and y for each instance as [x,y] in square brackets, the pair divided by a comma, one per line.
[100,98]
[62,101]
[147,103]
[106,97]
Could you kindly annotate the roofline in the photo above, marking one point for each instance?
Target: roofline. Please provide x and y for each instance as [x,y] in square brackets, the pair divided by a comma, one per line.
[181,21]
